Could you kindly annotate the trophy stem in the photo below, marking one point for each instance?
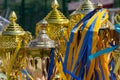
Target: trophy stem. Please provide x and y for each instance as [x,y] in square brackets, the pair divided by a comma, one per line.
[13,60]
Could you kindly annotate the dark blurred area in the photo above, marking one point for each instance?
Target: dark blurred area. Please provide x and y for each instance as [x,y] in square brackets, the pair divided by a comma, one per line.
[29,12]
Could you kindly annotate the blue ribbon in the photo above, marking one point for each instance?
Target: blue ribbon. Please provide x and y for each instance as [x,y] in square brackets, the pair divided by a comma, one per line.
[24,72]
[51,64]
[117,28]
[107,50]
[112,64]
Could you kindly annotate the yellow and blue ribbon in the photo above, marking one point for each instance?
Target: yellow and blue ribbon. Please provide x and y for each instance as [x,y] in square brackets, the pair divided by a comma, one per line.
[79,50]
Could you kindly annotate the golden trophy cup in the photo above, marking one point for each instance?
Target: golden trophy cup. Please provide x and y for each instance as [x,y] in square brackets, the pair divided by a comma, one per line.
[12,51]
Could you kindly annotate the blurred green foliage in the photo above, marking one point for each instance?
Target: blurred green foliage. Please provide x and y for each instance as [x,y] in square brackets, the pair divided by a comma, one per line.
[116,3]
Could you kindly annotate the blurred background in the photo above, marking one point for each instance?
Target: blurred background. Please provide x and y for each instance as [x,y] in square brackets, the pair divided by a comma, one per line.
[29,12]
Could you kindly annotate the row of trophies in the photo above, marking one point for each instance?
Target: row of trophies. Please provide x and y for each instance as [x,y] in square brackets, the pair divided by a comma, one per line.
[22,58]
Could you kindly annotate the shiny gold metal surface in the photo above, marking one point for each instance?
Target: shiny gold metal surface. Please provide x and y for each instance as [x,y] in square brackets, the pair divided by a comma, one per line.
[8,42]
[13,28]
[11,33]
[55,16]
[56,20]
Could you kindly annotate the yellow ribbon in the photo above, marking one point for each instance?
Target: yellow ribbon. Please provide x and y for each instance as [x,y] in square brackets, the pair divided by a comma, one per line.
[117,66]
[60,68]
[94,43]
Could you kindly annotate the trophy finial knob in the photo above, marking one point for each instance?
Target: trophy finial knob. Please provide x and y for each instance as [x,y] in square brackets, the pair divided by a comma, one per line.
[55,4]
[13,17]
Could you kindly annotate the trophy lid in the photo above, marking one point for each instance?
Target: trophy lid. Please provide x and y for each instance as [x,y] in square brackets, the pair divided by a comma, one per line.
[84,8]
[55,16]
[43,40]
[13,28]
